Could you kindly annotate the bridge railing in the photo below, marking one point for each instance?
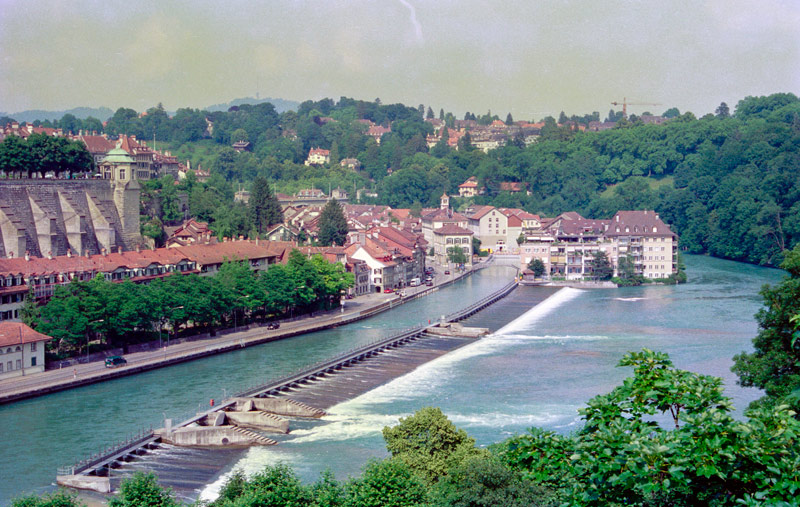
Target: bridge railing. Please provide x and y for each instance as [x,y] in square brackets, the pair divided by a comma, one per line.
[138,438]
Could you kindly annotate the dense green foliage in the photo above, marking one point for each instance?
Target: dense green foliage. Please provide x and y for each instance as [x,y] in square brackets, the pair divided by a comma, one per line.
[774,365]
[726,183]
[117,314]
[40,154]
[265,210]
[664,437]
[626,454]
[142,490]
[332,225]
[60,498]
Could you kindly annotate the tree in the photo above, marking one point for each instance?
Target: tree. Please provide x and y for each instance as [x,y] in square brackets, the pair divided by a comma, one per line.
[665,437]
[672,112]
[509,119]
[142,490]
[456,255]
[386,483]
[774,365]
[59,498]
[486,481]
[239,135]
[275,486]
[601,266]
[723,111]
[537,266]
[332,225]
[429,114]
[30,311]
[428,443]
[263,206]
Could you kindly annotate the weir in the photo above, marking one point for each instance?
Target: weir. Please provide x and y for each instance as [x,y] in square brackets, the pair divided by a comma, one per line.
[211,429]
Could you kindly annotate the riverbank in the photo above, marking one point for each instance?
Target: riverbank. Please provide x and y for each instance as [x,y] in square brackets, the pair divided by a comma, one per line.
[196,347]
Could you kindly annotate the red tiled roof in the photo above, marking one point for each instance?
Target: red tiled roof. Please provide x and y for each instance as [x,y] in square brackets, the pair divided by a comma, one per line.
[15,333]
[451,229]
[638,223]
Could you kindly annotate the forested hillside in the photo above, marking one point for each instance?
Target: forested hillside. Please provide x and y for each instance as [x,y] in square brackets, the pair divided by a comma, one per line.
[728,183]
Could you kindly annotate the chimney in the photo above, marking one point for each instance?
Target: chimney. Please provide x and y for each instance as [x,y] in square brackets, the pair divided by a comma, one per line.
[87,253]
[119,249]
[27,255]
[103,252]
[10,255]
[69,252]
[49,254]
[138,248]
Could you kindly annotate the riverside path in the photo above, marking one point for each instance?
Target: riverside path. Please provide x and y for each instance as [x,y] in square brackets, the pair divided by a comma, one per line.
[65,426]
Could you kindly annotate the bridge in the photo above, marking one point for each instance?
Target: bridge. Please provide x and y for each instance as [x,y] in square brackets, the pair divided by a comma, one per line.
[93,471]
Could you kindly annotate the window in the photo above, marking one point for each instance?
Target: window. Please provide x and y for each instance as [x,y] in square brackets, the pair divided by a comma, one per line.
[1,367]
[9,366]
[33,361]
[122,174]
[33,347]
[19,364]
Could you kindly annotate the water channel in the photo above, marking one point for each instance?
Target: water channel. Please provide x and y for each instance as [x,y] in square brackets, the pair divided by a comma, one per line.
[538,369]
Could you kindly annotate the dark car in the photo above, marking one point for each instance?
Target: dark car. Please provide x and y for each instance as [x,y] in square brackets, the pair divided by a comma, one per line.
[447,272]
[114,361]
[273,325]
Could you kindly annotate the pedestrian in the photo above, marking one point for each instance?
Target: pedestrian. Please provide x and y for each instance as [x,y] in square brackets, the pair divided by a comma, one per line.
[74,373]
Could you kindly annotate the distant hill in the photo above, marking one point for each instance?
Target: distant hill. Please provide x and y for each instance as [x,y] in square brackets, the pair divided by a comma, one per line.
[101,113]
[281,105]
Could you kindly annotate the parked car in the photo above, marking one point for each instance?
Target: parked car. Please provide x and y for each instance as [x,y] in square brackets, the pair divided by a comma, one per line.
[273,325]
[114,361]
[447,272]
[387,291]
[429,283]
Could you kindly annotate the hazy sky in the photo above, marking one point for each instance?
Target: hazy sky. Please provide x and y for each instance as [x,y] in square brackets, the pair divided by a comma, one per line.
[530,57]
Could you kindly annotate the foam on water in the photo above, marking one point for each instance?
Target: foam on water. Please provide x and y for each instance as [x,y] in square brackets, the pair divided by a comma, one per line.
[254,461]
[367,414]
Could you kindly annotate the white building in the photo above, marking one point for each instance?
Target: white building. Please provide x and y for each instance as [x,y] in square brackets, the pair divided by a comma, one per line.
[21,350]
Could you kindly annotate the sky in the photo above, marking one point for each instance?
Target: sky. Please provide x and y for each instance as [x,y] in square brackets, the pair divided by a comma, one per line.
[531,58]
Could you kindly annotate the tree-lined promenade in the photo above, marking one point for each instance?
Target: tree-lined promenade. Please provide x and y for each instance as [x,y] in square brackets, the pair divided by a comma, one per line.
[112,315]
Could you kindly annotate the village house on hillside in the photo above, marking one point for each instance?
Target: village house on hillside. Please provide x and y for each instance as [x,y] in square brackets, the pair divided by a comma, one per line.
[318,156]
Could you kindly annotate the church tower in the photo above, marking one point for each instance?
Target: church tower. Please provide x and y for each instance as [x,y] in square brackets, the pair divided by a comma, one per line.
[445,202]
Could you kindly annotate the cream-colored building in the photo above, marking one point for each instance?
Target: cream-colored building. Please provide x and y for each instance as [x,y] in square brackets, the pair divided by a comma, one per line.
[490,226]
[451,236]
[648,241]
[21,350]
[318,156]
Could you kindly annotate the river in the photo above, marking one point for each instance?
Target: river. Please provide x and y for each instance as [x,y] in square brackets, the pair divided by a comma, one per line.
[538,368]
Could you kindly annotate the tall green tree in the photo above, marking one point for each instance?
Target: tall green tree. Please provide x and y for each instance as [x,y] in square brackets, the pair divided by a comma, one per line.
[332,225]
[143,490]
[263,206]
[429,443]
[774,365]
[537,266]
[601,266]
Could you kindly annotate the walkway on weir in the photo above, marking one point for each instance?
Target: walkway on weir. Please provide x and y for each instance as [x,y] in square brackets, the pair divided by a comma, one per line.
[18,388]
[373,365]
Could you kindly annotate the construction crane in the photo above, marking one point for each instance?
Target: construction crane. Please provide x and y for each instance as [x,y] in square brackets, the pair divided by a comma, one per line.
[625,105]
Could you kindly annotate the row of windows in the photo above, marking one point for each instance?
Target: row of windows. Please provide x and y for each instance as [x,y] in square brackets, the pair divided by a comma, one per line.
[13,298]
[10,350]
[654,258]
[10,365]
[10,314]
[451,241]
[654,249]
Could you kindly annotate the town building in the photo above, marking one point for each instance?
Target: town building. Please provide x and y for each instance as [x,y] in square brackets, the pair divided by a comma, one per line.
[469,188]
[318,156]
[451,236]
[490,226]
[21,350]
